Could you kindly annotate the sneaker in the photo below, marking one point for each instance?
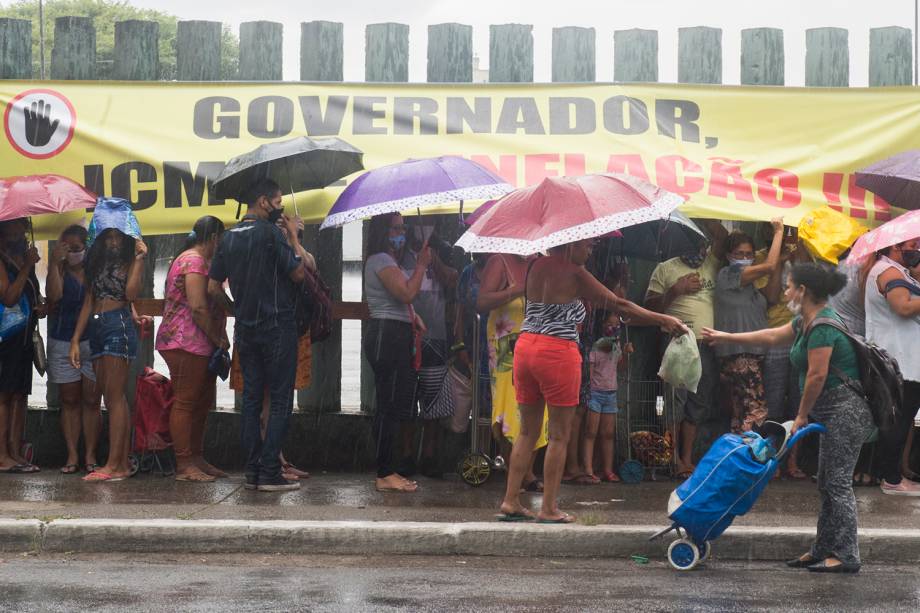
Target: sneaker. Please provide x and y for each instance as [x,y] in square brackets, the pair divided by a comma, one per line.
[905,488]
[251,482]
[277,484]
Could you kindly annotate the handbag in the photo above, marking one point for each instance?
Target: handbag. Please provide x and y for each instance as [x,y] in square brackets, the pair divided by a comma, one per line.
[14,319]
[219,363]
[313,307]
[39,357]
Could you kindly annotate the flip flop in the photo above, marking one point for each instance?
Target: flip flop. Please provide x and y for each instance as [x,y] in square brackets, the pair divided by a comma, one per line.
[611,478]
[99,477]
[91,468]
[797,474]
[684,474]
[70,469]
[565,519]
[23,468]
[514,517]
[586,480]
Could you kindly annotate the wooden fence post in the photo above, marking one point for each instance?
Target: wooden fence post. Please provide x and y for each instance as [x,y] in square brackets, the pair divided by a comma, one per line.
[15,48]
[260,51]
[511,53]
[762,57]
[699,55]
[827,57]
[322,59]
[890,56]
[635,56]
[574,56]
[74,53]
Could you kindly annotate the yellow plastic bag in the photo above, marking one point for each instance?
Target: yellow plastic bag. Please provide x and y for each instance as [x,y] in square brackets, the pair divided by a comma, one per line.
[828,233]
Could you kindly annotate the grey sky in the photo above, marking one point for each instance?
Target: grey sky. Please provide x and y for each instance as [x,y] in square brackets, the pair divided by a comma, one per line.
[666,16]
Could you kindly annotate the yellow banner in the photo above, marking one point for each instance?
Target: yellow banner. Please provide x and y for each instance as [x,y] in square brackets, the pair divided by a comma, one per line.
[743,153]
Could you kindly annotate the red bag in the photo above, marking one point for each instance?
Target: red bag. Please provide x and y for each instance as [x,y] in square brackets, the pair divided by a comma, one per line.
[153,400]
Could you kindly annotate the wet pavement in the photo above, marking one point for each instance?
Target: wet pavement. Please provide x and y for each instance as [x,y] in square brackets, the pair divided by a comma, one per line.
[341,496]
[415,583]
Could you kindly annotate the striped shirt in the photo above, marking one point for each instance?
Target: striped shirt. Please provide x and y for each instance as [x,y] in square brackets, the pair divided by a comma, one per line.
[559,320]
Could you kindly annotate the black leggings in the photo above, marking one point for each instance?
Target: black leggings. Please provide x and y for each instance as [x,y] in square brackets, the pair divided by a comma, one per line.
[891,443]
[388,347]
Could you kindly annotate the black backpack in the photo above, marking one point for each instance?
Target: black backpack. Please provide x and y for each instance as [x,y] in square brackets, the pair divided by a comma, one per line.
[881,383]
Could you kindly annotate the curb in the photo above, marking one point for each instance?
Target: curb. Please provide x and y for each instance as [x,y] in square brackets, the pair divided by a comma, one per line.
[416,538]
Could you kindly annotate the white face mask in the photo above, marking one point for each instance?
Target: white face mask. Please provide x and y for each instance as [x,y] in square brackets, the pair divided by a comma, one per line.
[794,306]
[75,258]
[742,263]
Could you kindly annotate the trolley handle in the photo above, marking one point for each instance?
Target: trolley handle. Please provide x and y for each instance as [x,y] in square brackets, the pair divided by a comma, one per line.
[802,433]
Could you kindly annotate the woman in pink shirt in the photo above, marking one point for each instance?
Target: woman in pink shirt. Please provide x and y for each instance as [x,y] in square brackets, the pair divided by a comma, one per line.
[193,328]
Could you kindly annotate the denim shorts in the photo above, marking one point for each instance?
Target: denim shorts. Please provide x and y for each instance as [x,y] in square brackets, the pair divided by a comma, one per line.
[603,402]
[112,333]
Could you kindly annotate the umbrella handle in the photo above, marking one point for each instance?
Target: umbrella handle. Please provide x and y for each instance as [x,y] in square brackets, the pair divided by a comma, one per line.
[291,185]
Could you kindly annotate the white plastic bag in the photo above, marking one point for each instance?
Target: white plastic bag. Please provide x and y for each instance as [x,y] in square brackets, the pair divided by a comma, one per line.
[681,366]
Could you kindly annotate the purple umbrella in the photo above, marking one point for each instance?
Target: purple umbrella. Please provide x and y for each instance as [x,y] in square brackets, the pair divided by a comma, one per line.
[414,184]
[896,179]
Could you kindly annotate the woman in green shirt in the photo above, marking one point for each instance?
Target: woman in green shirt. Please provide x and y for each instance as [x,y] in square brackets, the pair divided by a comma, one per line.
[820,355]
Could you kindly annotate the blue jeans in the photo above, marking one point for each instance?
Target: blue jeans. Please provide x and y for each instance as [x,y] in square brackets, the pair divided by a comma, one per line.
[268,359]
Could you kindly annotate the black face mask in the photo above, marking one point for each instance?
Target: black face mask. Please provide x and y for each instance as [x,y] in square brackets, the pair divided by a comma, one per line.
[693,260]
[911,257]
[275,214]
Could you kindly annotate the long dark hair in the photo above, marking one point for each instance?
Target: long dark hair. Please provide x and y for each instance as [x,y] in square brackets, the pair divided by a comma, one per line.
[378,233]
[97,256]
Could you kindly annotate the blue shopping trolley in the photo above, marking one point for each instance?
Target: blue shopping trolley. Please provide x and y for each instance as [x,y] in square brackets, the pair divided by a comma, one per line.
[726,484]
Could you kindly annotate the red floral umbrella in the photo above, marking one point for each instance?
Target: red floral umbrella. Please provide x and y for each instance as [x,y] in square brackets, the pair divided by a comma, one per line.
[42,194]
[561,210]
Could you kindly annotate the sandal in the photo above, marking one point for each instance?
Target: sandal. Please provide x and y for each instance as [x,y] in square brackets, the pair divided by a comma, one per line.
[91,468]
[611,477]
[70,469]
[586,479]
[565,519]
[98,477]
[797,474]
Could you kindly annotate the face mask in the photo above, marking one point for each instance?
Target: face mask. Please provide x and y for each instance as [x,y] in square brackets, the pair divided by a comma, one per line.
[610,330]
[275,214]
[794,306]
[911,257]
[694,260]
[75,258]
[743,263]
[397,242]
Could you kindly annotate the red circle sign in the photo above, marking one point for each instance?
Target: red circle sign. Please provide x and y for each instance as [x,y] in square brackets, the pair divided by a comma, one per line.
[39,123]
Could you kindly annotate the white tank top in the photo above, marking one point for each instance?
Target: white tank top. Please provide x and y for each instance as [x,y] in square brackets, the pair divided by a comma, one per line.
[898,335]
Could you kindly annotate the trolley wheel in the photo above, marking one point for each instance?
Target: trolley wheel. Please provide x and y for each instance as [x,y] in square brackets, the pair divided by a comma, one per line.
[632,472]
[683,554]
[475,469]
[705,550]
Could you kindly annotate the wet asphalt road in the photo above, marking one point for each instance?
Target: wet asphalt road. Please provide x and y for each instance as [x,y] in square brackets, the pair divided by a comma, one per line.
[334,583]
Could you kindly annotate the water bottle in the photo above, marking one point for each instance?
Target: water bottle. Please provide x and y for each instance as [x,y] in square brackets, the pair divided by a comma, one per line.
[659,406]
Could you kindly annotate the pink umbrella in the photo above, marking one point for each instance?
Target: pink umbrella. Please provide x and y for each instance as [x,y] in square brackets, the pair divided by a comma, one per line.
[40,194]
[900,229]
[561,210]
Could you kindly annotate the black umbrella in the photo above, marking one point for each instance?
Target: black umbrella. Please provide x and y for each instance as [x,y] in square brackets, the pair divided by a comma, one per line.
[660,240]
[896,179]
[297,165]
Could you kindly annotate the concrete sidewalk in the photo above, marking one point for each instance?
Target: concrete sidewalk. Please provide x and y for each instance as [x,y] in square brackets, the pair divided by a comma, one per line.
[342,514]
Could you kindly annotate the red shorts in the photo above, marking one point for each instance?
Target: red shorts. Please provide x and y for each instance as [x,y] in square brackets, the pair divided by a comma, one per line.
[546,369]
